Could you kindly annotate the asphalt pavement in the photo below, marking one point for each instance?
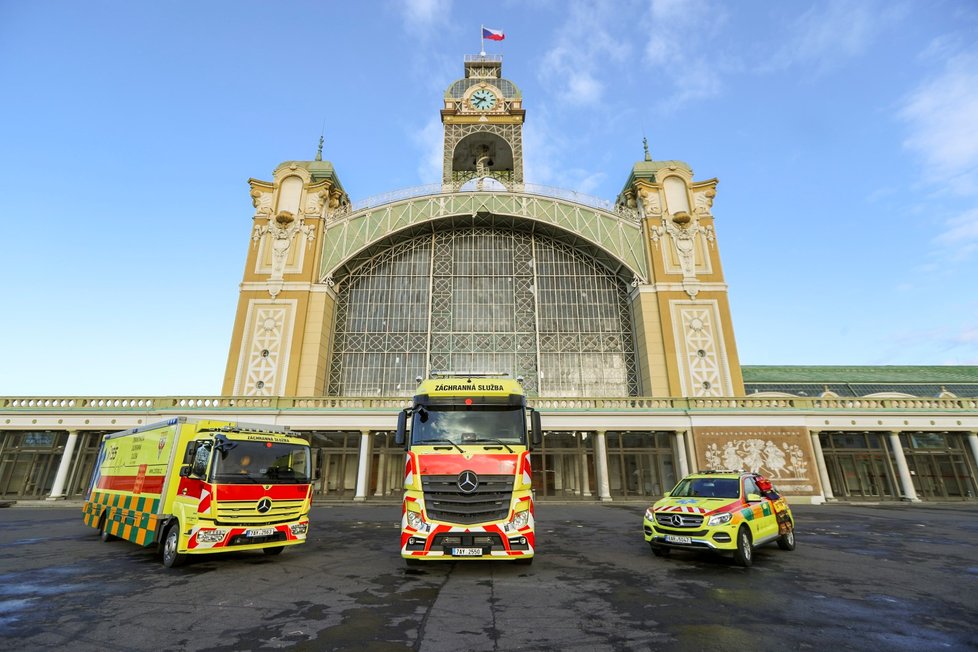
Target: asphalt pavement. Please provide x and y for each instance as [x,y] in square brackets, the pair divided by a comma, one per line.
[863,577]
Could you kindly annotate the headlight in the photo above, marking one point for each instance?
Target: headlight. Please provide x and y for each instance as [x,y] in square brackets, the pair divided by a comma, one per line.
[414,520]
[719,519]
[211,536]
[649,516]
[521,519]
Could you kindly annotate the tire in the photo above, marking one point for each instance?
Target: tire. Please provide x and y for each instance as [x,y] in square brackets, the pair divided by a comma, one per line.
[787,541]
[659,551]
[172,558]
[103,532]
[412,563]
[744,554]
[523,561]
[271,552]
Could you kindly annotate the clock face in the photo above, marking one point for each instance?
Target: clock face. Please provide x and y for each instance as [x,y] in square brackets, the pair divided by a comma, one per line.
[483,99]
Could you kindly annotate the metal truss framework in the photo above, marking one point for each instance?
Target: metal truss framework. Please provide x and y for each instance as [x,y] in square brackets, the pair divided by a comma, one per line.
[613,238]
[483,299]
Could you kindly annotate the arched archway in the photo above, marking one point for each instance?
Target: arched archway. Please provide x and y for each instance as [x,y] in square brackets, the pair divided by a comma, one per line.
[483,299]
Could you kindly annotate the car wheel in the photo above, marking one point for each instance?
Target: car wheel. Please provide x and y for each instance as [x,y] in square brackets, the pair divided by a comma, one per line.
[172,558]
[277,550]
[103,532]
[744,554]
[412,563]
[659,551]
[787,540]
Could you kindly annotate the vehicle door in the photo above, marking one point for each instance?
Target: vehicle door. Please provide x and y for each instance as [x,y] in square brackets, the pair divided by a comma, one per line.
[765,522]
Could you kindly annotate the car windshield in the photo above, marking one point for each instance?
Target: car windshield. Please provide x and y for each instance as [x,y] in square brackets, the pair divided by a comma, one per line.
[707,488]
[258,462]
[468,424]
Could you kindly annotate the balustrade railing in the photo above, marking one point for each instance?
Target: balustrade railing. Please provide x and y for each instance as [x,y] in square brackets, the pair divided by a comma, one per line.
[70,404]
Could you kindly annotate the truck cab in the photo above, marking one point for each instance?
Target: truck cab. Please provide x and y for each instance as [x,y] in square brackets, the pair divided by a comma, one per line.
[468,480]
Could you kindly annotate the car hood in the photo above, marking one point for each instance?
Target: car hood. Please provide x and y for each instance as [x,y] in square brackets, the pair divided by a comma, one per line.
[696,505]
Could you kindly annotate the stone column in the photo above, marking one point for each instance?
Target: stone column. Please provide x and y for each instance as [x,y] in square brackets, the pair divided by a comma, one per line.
[694,466]
[363,468]
[381,473]
[601,465]
[973,441]
[681,457]
[58,490]
[585,476]
[823,470]
[906,482]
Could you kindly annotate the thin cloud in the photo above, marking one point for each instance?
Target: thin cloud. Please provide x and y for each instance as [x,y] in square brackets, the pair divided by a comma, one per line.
[588,41]
[430,140]
[942,116]
[681,30]
[423,16]
[829,34]
[959,238]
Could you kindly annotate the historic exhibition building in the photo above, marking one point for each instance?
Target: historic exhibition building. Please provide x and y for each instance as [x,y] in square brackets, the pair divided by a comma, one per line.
[614,312]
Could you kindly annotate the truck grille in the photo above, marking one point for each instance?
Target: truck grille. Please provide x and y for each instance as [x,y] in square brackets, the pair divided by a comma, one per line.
[445,502]
[245,512]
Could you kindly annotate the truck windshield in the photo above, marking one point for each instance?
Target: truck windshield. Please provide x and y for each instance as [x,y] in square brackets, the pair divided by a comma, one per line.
[258,462]
[468,424]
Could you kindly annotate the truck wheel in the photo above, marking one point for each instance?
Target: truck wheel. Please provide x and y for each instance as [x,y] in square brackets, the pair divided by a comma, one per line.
[523,561]
[659,551]
[412,563]
[172,558]
[744,554]
[103,532]
[787,540]
[277,550]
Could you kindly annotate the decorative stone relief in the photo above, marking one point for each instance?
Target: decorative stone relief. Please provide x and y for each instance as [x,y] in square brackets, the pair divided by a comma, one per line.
[683,230]
[262,201]
[703,201]
[700,351]
[282,230]
[759,456]
[651,203]
[781,454]
[265,354]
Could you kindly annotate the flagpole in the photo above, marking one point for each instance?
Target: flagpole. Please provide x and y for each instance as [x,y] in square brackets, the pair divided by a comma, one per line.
[482,39]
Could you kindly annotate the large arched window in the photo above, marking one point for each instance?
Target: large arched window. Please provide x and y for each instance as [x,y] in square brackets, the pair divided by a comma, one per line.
[478,299]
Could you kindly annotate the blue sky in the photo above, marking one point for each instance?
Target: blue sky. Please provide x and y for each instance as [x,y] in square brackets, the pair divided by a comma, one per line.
[844,136]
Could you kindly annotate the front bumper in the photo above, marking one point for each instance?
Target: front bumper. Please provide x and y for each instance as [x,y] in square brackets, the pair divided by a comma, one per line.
[719,538]
[205,538]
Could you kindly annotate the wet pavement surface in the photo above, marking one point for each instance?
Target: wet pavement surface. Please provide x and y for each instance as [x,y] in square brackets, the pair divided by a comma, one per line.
[880,577]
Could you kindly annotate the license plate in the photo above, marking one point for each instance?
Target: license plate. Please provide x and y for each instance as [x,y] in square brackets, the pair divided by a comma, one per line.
[260,532]
[466,552]
[671,538]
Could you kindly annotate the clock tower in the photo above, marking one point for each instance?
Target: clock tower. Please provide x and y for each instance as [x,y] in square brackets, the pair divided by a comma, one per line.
[483,117]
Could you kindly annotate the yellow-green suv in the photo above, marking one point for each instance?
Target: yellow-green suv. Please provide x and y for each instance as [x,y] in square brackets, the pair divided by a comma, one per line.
[729,512]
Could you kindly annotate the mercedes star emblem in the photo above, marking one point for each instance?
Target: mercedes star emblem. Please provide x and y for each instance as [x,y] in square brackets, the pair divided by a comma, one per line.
[468,482]
[264,505]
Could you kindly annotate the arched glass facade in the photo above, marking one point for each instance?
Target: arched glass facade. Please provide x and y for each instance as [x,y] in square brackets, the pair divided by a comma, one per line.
[483,299]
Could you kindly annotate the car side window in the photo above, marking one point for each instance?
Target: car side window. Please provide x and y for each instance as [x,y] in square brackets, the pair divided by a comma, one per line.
[750,487]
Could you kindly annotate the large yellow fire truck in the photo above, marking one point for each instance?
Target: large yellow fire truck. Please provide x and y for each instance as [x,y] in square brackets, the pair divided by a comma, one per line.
[468,478]
[193,487]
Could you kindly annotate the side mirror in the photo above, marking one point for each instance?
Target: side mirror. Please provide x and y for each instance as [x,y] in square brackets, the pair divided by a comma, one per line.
[754,498]
[536,428]
[667,494]
[185,471]
[400,436]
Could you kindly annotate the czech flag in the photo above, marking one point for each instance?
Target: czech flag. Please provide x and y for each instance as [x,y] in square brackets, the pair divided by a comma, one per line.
[493,34]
